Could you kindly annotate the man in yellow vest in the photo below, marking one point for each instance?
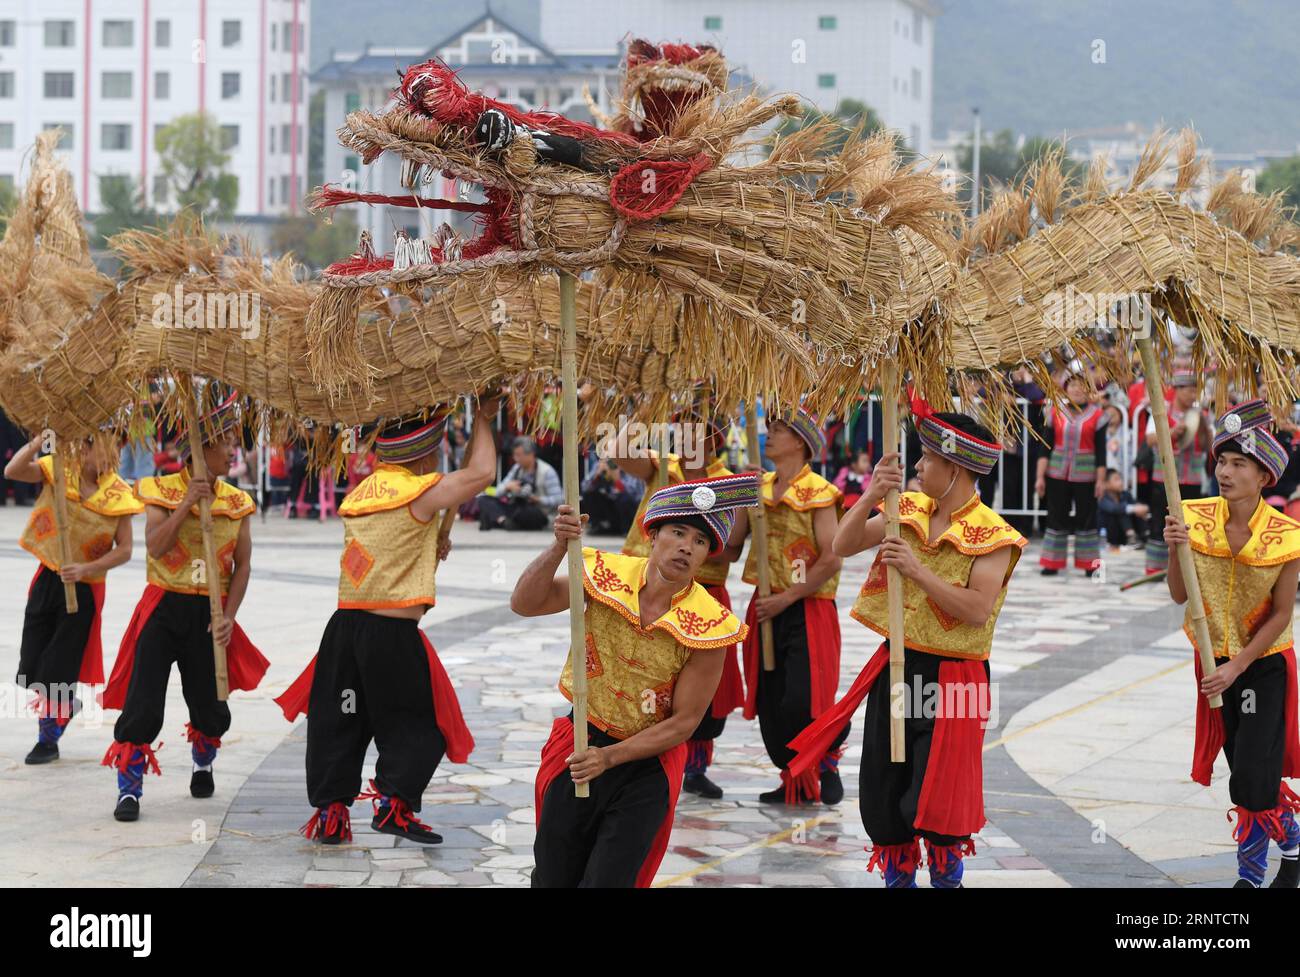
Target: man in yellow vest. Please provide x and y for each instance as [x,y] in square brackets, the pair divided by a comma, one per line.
[376,674]
[653,658]
[802,513]
[1247,557]
[173,620]
[955,556]
[60,649]
[698,458]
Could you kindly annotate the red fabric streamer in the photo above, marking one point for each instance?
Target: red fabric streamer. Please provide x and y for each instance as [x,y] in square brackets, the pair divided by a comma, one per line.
[119,755]
[1210,734]
[338,820]
[192,735]
[952,793]
[245,664]
[646,189]
[822,623]
[673,760]
[903,858]
[730,695]
[332,196]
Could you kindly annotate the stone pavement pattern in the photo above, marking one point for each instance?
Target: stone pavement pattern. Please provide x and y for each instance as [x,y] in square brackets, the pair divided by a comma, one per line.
[1086,767]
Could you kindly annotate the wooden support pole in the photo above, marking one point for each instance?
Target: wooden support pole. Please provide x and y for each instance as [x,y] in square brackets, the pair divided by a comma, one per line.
[758,517]
[1164,444]
[572,496]
[891,394]
[59,459]
[211,568]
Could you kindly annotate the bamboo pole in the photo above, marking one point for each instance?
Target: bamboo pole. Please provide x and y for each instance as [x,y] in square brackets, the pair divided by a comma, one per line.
[572,496]
[661,469]
[449,516]
[891,393]
[59,459]
[759,518]
[211,568]
[1195,604]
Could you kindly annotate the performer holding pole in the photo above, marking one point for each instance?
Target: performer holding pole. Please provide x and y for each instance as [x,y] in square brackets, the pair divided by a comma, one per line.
[61,647]
[704,462]
[653,655]
[955,556]
[173,621]
[376,675]
[1246,559]
[801,510]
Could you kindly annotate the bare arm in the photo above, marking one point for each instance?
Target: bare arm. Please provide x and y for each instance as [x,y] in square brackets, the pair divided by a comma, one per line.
[115,557]
[538,591]
[25,465]
[162,525]
[693,693]
[860,529]
[634,460]
[1175,533]
[460,486]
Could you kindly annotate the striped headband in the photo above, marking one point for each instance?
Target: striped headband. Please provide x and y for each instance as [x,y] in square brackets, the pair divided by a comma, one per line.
[216,422]
[806,426]
[403,442]
[1184,377]
[713,500]
[1246,427]
[954,444]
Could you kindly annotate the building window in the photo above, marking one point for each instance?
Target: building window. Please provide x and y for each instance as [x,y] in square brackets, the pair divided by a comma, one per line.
[351,102]
[115,84]
[6,135]
[352,163]
[274,33]
[916,138]
[270,191]
[160,190]
[825,81]
[916,83]
[230,84]
[284,138]
[273,88]
[162,33]
[65,133]
[230,33]
[115,136]
[230,137]
[6,84]
[60,33]
[162,85]
[7,33]
[284,88]
[826,23]
[713,23]
[272,140]
[119,33]
[284,190]
[917,21]
[58,84]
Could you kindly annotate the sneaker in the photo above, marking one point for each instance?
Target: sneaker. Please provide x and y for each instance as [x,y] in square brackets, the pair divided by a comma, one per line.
[128,808]
[832,787]
[42,753]
[697,783]
[1288,876]
[201,784]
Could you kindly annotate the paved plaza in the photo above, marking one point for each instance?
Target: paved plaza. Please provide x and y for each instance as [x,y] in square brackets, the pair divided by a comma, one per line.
[1086,769]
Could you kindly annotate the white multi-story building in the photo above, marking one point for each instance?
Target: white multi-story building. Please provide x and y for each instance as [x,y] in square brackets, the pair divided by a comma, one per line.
[880,52]
[112,72]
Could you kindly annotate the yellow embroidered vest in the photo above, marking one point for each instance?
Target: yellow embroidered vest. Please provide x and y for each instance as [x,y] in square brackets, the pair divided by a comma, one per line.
[791,542]
[176,570]
[714,571]
[631,671]
[92,521]
[1238,591]
[389,557]
[975,530]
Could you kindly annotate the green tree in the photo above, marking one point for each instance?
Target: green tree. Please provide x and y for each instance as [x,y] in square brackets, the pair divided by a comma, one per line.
[122,207]
[316,139]
[1004,161]
[849,114]
[193,163]
[1284,175]
[8,201]
[313,241]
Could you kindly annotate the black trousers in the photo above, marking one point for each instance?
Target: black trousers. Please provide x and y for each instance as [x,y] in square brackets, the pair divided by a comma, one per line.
[601,841]
[709,728]
[1061,496]
[785,695]
[177,631]
[54,641]
[518,514]
[889,793]
[1254,721]
[1160,506]
[371,682]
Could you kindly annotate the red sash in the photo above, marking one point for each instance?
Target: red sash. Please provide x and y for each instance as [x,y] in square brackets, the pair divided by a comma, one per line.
[244,663]
[294,700]
[1210,733]
[731,689]
[822,623]
[558,749]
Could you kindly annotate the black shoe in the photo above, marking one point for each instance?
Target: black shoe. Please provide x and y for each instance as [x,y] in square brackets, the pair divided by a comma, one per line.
[128,808]
[385,822]
[1245,884]
[832,787]
[697,783]
[1048,572]
[778,797]
[1089,573]
[1288,876]
[201,784]
[43,753]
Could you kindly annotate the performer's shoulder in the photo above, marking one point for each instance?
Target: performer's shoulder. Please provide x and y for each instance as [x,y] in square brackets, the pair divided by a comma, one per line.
[161,490]
[812,491]
[387,487]
[232,501]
